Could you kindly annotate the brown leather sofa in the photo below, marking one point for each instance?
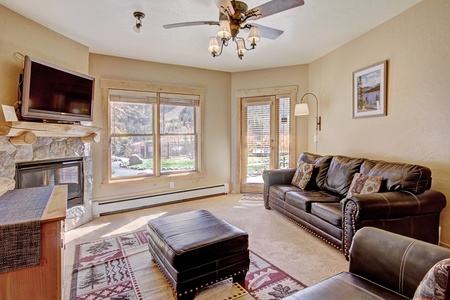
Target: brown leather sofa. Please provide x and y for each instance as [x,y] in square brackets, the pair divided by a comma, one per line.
[404,204]
[383,265]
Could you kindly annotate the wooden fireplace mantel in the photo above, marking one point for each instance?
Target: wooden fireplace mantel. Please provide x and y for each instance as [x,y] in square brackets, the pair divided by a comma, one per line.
[25,133]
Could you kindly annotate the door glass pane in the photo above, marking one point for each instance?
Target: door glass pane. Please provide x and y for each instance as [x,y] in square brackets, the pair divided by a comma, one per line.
[284,121]
[258,142]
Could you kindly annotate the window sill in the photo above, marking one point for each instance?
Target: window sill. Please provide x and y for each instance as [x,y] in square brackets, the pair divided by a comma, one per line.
[151,180]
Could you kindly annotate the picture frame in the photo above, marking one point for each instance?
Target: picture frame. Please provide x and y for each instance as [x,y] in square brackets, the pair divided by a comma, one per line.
[370,91]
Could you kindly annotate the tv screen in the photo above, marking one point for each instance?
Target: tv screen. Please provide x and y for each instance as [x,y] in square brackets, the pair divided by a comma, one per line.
[54,93]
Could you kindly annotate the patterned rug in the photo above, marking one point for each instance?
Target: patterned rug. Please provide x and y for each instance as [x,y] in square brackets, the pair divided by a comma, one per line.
[251,200]
[120,267]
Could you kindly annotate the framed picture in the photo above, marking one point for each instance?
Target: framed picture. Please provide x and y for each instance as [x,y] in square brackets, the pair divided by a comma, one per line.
[369,91]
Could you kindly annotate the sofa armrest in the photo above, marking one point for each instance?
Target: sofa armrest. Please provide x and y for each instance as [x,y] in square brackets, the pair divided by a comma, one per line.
[382,206]
[278,176]
[393,261]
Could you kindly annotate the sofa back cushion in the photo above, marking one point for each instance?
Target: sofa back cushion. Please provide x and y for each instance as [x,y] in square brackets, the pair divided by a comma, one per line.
[321,165]
[399,176]
[340,174]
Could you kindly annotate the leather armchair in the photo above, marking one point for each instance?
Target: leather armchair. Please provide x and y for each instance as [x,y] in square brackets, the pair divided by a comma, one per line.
[383,265]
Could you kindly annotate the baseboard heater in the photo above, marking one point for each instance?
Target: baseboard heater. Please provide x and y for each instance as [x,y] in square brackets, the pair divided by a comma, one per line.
[115,206]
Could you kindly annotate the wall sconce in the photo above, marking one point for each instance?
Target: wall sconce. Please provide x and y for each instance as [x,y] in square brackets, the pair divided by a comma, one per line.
[302,109]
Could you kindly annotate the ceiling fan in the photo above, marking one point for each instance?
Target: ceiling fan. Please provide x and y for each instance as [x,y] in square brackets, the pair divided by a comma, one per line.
[233,16]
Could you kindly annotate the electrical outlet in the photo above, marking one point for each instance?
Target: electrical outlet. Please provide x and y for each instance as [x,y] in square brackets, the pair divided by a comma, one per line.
[172,184]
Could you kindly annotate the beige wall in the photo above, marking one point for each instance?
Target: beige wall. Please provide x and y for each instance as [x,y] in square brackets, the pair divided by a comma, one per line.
[216,120]
[19,34]
[417,127]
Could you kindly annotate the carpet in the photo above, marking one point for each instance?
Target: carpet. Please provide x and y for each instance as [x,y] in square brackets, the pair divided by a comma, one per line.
[120,267]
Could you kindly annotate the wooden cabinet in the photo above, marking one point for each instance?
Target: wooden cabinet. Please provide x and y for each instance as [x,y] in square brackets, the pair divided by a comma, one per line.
[43,281]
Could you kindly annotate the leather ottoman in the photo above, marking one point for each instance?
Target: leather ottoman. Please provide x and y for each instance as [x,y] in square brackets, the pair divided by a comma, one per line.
[196,249]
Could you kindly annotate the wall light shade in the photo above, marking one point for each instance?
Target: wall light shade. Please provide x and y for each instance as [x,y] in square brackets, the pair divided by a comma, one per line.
[301,109]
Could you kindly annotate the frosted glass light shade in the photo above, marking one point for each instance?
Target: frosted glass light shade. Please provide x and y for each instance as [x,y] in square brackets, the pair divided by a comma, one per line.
[301,109]
[224,29]
[240,47]
[253,36]
[213,45]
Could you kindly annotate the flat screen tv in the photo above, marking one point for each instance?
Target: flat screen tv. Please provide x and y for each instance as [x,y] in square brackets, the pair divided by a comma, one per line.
[55,94]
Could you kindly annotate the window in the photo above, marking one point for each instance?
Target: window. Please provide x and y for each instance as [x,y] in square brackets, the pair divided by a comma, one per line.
[154,133]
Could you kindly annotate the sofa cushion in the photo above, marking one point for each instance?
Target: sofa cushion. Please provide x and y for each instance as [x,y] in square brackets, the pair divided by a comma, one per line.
[279,190]
[363,184]
[302,175]
[321,165]
[304,199]
[399,176]
[340,174]
[330,212]
[436,283]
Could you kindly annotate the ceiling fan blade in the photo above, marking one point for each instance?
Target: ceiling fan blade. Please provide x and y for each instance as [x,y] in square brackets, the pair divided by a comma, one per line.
[275,6]
[225,5]
[175,25]
[267,32]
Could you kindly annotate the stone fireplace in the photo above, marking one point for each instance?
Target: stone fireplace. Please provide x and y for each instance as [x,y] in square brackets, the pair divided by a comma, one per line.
[56,149]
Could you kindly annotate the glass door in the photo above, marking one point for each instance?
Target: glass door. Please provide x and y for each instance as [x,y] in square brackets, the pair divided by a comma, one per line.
[265,139]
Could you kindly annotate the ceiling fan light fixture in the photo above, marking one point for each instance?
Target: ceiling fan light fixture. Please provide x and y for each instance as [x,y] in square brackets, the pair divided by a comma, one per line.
[253,36]
[233,16]
[240,50]
[213,45]
[224,29]
[139,16]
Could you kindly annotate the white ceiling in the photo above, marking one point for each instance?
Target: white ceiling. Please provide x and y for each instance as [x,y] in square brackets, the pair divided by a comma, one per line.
[105,26]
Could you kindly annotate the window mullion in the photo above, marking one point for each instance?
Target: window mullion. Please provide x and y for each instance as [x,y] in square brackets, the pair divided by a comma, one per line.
[157,138]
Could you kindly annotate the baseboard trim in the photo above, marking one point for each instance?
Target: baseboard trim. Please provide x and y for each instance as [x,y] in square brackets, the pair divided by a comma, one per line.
[127,204]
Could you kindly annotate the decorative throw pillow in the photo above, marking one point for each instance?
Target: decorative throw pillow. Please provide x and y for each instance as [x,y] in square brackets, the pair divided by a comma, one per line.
[435,285]
[302,175]
[363,184]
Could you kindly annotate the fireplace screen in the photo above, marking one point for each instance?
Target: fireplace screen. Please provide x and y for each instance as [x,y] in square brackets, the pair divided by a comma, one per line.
[54,172]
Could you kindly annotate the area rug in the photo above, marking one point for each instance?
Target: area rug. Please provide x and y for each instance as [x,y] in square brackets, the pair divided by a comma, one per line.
[251,200]
[120,267]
